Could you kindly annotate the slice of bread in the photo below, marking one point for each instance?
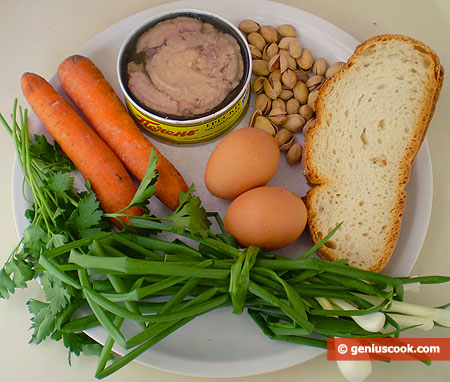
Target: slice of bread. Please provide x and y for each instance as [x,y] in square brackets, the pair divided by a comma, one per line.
[371,118]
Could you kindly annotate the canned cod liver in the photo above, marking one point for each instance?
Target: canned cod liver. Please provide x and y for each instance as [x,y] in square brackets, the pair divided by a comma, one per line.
[186,76]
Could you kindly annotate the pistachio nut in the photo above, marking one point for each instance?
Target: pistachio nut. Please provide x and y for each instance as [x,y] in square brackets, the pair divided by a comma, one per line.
[306,60]
[301,92]
[294,122]
[295,49]
[315,82]
[333,69]
[284,139]
[284,61]
[308,125]
[312,99]
[288,144]
[320,67]
[292,106]
[248,26]
[285,41]
[264,124]
[257,40]
[260,68]
[272,88]
[286,94]
[294,154]
[278,104]
[256,113]
[263,103]
[279,61]
[270,50]
[289,79]
[301,75]
[306,112]
[258,85]
[287,30]
[290,61]
[283,136]
[277,116]
[269,33]
[275,75]
[274,63]
[256,53]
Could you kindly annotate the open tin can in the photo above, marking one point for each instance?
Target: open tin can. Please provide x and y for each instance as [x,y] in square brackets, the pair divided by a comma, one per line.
[202,127]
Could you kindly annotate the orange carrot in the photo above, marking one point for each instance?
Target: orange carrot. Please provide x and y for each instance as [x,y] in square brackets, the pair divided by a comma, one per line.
[86,86]
[93,158]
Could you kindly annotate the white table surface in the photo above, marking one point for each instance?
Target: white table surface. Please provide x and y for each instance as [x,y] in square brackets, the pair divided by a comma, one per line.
[36,35]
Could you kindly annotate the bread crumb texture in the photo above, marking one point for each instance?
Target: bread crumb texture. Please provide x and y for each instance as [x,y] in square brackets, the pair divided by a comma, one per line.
[371,120]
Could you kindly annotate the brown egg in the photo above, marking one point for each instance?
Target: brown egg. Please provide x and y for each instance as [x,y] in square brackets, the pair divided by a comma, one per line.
[268,217]
[244,159]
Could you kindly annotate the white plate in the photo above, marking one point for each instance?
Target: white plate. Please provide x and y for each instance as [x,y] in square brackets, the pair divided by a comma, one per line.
[221,344]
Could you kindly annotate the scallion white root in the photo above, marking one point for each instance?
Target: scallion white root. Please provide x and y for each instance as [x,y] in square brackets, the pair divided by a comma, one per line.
[404,321]
[325,303]
[411,288]
[355,371]
[440,316]
[372,322]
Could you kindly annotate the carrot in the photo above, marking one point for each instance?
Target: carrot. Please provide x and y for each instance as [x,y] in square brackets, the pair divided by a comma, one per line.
[93,158]
[86,86]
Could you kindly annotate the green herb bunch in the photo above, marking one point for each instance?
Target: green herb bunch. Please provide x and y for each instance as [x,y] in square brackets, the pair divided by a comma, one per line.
[58,214]
[162,272]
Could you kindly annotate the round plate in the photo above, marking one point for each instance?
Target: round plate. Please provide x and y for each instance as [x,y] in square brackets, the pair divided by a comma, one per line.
[221,344]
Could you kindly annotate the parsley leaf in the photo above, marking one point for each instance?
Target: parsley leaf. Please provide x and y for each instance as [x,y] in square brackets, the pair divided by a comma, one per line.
[34,239]
[43,321]
[57,295]
[87,214]
[147,186]
[190,214]
[42,151]
[78,343]
[6,284]
[61,182]
[56,240]
[45,314]
[20,271]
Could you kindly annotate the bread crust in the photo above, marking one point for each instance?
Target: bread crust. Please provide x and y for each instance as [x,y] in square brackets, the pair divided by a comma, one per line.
[317,180]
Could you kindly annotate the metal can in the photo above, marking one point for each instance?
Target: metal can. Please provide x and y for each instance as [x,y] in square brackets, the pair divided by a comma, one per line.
[199,129]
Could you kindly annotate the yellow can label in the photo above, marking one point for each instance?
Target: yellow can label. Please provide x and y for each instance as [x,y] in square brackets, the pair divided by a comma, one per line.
[192,133]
